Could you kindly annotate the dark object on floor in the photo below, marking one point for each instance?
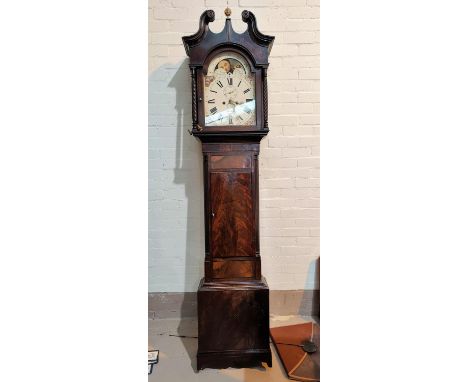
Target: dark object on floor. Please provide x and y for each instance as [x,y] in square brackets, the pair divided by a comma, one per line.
[153,358]
[295,345]
[309,346]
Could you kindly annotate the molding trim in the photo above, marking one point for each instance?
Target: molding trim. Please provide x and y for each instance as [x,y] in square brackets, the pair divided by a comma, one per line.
[282,303]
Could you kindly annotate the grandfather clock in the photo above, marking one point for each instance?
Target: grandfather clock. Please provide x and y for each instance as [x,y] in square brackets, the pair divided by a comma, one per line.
[230,117]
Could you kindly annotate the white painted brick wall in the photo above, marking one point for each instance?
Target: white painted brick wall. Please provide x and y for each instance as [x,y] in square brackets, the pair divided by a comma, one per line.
[289,157]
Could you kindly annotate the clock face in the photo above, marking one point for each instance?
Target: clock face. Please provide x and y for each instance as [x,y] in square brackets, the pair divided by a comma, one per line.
[229,91]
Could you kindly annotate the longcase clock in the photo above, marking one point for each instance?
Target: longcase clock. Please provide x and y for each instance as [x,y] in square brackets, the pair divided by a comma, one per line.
[230,117]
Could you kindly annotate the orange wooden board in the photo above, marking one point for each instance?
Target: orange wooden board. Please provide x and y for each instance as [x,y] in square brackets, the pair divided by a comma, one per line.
[299,365]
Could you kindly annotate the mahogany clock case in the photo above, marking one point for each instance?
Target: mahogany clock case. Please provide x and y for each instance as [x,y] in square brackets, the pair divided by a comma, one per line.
[233,297]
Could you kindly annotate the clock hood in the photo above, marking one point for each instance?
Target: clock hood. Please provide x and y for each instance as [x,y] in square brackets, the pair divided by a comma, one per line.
[252,41]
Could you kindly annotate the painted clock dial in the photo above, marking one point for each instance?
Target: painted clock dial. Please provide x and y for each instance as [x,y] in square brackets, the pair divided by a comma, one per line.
[229,91]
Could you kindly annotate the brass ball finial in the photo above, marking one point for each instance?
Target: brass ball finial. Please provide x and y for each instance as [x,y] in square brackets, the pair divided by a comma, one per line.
[227,11]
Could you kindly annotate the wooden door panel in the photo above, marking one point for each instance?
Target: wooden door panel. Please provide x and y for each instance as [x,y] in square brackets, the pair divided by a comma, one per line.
[231,214]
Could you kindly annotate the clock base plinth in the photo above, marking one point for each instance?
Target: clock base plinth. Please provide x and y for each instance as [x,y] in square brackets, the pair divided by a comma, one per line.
[233,324]
[223,360]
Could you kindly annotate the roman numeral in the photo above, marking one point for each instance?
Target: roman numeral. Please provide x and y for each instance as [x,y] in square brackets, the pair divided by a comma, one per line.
[211,101]
[213,91]
[241,118]
[239,83]
[230,119]
[214,110]
[249,99]
[229,80]
[219,84]
[246,90]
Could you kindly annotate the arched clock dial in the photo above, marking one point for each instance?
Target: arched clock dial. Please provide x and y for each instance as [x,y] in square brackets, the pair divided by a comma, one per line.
[229,92]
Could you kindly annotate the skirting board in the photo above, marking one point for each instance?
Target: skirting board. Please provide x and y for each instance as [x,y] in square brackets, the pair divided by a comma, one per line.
[282,303]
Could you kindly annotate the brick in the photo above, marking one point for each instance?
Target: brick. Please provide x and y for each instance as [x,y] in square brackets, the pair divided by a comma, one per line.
[310,223]
[158,50]
[269,192]
[261,13]
[309,49]
[168,38]
[312,97]
[296,152]
[299,37]
[159,3]
[307,203]
[301,213]
[176,52]
[272,26]
[168,13]
[158,26]
[293,3]
[303,25]
[295,141]
[269,251]
[312,241]
[309,74]
[259,3]
[314,173]
[289,108]
[314,231]
[294,232]
[294,85]
[309,119]
[307,182]
[186,26]
[277,241]
[294,131]
[278,222]
[283,73]
[275,202]
[276,61]
[303,12]
[270,152]
[295,193]
[308,162]
[280,50]
[269,212]
[278,183]
[295,250]
[281,120]
[277,142]
[301,62]
[193,3]
[283,97]
[267,173]
[314,129]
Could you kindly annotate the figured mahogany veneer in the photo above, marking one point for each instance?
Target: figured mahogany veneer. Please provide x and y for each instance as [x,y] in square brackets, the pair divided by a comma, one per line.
[232,217]
[231,210]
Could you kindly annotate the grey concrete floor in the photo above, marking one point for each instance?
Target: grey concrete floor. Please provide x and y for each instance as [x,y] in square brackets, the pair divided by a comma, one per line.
[177,354]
